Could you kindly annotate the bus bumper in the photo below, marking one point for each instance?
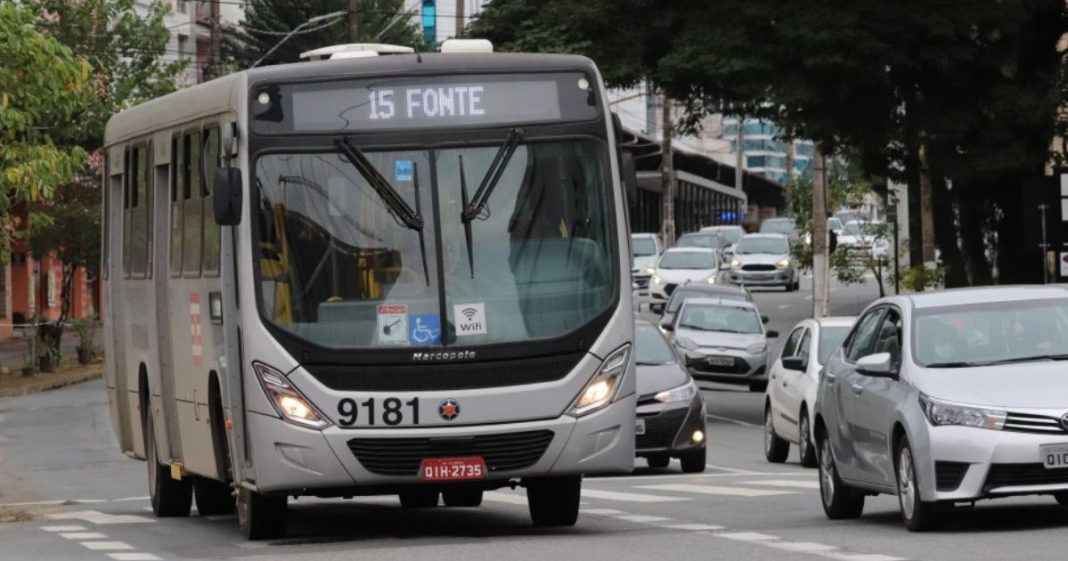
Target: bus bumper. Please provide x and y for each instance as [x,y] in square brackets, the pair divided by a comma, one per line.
[298,461]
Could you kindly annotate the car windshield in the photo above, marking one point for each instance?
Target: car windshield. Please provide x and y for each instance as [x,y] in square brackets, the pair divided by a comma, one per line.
[650,346]
[769,245]
[643,247]
[338,267]
[711,241]
[681,295]
[1000,332]
[721,318]
[831,337]
[777,226]
[855,229]
[729,233]
[688,260]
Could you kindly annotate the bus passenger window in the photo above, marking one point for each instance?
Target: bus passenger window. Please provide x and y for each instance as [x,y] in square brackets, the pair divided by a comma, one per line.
[212,239]
[192,218]
[177,180]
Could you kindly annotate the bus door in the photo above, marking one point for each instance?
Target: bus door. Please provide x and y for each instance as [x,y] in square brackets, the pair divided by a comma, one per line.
[118,200]
[165,198]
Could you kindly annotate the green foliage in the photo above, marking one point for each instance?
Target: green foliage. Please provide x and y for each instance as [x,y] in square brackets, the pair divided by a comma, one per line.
[919,278]
[268,21]
[43,97]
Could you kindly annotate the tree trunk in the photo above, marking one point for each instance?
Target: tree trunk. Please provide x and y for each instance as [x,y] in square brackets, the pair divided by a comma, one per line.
[973,212]
[915,232]
[667,179]
[946,233]
[926,208]
[820,263]
[1018,263]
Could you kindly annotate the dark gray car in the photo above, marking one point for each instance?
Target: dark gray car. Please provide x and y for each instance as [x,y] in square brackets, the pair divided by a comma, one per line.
[671,412]
[698,290]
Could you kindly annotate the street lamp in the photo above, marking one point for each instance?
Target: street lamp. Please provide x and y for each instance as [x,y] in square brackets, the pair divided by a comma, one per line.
[297,30]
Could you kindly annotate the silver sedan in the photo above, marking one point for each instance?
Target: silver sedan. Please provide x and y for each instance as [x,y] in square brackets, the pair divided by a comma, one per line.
[946,398]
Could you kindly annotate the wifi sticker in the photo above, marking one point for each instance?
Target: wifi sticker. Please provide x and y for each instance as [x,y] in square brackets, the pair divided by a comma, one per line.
[470,319]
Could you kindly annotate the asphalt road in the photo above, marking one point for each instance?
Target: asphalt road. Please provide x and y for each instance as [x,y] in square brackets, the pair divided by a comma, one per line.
[58,459]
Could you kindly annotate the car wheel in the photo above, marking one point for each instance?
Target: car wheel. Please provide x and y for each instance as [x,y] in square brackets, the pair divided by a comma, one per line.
[419,499]
[918,515]
[839,500]
[693,461]
[758,386]
[658,462]
[1062,498]
[463,497]
[554,501]
[775,448]
[804,445]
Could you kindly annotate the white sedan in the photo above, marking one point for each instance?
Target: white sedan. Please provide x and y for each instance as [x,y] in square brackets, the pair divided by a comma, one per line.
[680,265]
[792,384]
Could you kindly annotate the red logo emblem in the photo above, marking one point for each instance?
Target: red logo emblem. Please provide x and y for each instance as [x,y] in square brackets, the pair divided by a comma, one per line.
[449,409]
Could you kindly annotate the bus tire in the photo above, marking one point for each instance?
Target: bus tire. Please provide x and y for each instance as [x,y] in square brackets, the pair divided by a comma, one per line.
[419,499]
[213,497]
[554,501]
[261,517]
[463,497]
[169,497]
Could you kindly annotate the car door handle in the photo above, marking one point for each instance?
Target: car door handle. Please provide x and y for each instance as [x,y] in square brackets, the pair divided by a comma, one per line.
[858,389]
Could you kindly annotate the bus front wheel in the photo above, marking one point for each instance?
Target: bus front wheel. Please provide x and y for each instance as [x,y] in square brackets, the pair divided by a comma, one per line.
[261,517]
[554,501]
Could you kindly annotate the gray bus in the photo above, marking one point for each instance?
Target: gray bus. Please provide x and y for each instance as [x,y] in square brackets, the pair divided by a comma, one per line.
[401,274]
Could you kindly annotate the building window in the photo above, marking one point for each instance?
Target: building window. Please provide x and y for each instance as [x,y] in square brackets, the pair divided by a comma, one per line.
[430,22]
[181,6]
[755,161]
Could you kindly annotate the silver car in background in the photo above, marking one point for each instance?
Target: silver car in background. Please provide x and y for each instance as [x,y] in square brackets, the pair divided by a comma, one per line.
[645,249]
[764,260]
[946,398]
[723,341]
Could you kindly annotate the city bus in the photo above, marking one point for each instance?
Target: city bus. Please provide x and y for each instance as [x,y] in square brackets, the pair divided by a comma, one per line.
[373,274]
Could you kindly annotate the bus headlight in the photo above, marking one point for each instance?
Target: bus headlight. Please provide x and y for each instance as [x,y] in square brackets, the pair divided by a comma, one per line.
[602,387]
[287,400]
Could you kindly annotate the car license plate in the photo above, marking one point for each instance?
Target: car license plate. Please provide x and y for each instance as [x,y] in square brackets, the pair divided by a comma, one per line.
[1054,456]
[452,469]
[639,427]
[720,361]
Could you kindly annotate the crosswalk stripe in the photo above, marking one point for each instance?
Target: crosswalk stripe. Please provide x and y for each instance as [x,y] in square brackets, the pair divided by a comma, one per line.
[136,556]
[629,497]
[107,546]
[642,518]
[695,527]
[748,536]
[803,547]
[785,483]
[716,490]
[602,511]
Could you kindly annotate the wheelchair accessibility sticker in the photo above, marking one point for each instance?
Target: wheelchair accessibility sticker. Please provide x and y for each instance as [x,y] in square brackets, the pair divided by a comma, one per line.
[425,329]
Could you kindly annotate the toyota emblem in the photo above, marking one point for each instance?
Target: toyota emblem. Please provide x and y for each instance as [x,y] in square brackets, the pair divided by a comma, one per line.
[449,409]
[1064,421]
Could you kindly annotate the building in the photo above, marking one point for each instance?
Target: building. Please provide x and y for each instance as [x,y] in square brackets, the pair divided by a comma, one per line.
[765,152]
[444,19]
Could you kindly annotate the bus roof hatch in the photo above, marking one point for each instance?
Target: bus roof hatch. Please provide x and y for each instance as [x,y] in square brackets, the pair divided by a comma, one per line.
[355,50]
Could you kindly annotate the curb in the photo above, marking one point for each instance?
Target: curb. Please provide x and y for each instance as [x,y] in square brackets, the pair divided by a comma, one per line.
[60,381]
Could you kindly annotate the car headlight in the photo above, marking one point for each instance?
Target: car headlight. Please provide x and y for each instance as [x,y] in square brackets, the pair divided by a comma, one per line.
[943,413]
[657,279]
[650,270]
[686,343]
[287,400]
[736,264]
[783,264]
[602,387]
[711,280]
[684,392]
[757,348]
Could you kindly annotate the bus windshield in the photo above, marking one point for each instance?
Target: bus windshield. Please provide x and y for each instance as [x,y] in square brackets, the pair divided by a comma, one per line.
[341,268]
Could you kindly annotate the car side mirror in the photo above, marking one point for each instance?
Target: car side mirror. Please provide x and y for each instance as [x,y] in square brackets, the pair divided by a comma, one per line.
[668,326]
[793,363]
[228,196]
[772,334]
[764,319]
[656,308]
[877,365]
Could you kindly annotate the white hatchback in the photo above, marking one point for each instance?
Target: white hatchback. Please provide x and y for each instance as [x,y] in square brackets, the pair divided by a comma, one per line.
[792,383]
[680,265]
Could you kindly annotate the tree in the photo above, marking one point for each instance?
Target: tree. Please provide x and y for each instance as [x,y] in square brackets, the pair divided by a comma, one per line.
[43,97]
[71,234]
[269,21]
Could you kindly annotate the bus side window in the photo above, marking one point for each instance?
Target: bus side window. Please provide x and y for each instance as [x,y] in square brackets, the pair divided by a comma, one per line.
[192,212]
[129,165]
[212,241]
[177,178]
[140,221]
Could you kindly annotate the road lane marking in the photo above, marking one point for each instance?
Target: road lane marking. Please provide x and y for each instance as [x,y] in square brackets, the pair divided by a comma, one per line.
[694,527]
[642,518]
[101,518]
[730,420]
[629,497]
[63,528]
[107,546]
[716,490]
[747,536]
[83,536]
[785,483]
[135,556]
[803,547]
[861,556]
[509,498]
[602,511]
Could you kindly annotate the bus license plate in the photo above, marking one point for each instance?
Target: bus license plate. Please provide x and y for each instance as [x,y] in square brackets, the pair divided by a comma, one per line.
[1054,456]
[452,469]
[639,427]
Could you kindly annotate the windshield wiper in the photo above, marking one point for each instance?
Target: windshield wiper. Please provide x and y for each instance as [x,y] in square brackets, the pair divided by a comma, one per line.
[955,364]
[404,214]
[489,182]
[1030,359]
[691,326]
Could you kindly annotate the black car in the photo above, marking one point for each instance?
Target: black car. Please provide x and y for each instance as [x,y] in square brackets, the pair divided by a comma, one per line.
[698,290]
[671,411]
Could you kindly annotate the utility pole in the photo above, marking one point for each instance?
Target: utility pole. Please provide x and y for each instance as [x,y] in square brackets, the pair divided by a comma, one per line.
[791,157]
[739,162]
[459,18]
[667,178]
[354,28]
[820,261]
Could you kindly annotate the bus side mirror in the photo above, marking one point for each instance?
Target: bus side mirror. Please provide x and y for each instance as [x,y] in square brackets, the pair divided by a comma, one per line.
[228,196]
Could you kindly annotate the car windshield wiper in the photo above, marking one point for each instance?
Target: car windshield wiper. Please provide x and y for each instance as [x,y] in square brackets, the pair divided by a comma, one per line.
[955,364]
[1030,359]
[402,213]
[691,326]
[473,207]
